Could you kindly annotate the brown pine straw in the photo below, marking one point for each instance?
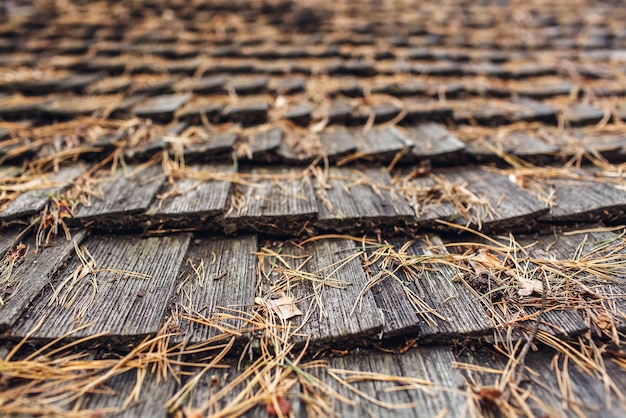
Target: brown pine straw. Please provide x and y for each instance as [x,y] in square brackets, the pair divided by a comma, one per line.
[429,193]
[57,376]
[565,282]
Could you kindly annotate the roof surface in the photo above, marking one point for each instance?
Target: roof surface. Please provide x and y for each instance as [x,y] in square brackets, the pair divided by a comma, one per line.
[312,208]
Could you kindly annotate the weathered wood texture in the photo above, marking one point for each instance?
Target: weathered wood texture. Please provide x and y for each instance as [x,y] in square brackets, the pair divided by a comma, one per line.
[162,107]
[523,145]
[360,200]
[433,141]
[424,297]
[427,364]
[159,142]
[22,278]
[583,114]
[337,142]
[205,393]
[8,238]
[299,147]
[216,147]
[262,146]
[585,394]
[150,401]
[218,277]
[381,144]
[113,298]
[488,200]
[190,203]
[607,293]
[275,201]
[580,200]
[330,297]
[33,201]
[124,196]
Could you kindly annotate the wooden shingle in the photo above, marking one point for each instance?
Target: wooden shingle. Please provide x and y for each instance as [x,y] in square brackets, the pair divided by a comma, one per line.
[120,290]
[192,203]
[487,200]
[432,365]
[334,310]
[218,277]
[123,197]
[588,201]
[150,401]
[25,276]
[425,298]
[274,201]
[360,200]
[433,141]
[33,201]
[161,108]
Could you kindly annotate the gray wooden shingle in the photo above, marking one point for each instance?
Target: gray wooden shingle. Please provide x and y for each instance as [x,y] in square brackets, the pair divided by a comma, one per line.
[427,364]
[150,401]
[192,203]
[216,147]
[206,390]
[337,142]
[521,144]
[591,200]
[531,110]
[583,246]
[589,394]
[433,141]
[249,85]
[161,107]
[493,201]
[127,307]
[200,107]
[263,145]
[157,143]
[381,144]
[300,114]
[457,312]
[329,317]
[205,85]
[31,202]
[299,147]
[7,239]
[123,197]
[580,114]
[275,201]
[218,276]
[585,395]
[247,114]
[360,200]
[23,278]
[545,90]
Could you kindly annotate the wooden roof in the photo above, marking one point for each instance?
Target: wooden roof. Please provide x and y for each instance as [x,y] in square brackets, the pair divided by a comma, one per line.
[317,208]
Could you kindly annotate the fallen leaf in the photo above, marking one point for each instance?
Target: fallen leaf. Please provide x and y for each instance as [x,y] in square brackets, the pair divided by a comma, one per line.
[283,307]
[604,321]
[489,396]
[529,286]
[284,406]
[192,413]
